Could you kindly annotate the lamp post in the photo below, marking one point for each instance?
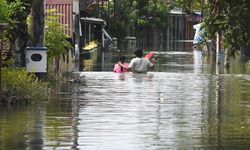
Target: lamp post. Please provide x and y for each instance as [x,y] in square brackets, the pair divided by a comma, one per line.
[3,26]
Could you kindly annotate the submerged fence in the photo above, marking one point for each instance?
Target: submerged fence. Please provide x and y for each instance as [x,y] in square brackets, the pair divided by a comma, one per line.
[177,37]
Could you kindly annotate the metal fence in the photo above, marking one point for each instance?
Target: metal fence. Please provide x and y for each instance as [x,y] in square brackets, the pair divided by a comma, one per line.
[64,7]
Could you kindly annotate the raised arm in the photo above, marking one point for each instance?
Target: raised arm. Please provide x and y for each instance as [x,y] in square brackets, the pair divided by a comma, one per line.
[122,65]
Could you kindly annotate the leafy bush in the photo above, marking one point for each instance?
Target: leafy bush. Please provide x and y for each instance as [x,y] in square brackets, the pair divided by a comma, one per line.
[55,37]
[19,85]
[4,11]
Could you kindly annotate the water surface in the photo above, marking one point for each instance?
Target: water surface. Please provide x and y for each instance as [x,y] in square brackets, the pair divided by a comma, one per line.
[180,104]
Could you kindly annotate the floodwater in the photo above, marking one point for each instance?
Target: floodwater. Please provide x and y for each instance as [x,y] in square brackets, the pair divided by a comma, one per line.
[184,103]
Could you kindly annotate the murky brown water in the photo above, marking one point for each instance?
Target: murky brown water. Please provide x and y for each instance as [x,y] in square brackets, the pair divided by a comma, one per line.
[181,104]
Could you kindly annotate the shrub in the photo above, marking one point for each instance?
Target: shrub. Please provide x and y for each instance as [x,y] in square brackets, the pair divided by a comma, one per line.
[19,85]
[55,37]
[4,11]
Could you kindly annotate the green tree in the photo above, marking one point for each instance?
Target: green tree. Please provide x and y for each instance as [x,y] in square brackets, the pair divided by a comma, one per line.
[130,16]
[153,14]
[55,37]
[18,30]
[228,18]
[188,6]
[4,11]
[119,18]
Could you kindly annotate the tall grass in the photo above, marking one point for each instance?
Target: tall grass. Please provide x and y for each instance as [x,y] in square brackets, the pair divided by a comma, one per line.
[18,85]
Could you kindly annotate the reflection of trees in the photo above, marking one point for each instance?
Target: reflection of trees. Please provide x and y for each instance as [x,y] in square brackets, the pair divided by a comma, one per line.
[178,121]
[21,128]
[75,115]
[40,126]
[235,113]
[58,131]
[227,125]
[77,101]
[218,99]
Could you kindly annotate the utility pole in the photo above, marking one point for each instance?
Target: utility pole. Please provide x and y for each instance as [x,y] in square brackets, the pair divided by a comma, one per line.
[37,26]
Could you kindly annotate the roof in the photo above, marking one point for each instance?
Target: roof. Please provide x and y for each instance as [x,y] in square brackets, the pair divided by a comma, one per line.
[93,20]
[177,11]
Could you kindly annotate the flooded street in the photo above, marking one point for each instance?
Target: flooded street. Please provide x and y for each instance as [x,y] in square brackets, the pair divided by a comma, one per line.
[180,104]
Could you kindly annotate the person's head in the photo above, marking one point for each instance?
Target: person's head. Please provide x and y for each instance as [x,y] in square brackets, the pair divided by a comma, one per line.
[122,59]
[138,53]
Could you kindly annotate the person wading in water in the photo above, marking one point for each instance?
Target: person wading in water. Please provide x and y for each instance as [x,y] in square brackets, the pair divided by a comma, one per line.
[121,66]
[139,64]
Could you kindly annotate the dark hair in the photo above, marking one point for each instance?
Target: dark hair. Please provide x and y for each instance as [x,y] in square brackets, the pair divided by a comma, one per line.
[122,59]
[139,53]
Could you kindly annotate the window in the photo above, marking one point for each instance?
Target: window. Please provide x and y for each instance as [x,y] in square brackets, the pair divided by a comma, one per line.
[36,57]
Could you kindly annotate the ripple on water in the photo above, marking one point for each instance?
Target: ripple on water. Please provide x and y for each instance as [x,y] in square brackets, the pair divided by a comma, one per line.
[143,112]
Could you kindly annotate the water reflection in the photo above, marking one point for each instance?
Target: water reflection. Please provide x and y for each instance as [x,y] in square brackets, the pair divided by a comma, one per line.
[186,107]
[170,110]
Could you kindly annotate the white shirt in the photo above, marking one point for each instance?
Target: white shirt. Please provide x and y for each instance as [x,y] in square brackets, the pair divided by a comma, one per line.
[140,65]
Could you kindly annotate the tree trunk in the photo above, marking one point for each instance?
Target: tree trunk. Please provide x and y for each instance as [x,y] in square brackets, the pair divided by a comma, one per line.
[161,40]
[37,23]
[218,48]
[226,59]
[56,62]
[3,26]
[19,40]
